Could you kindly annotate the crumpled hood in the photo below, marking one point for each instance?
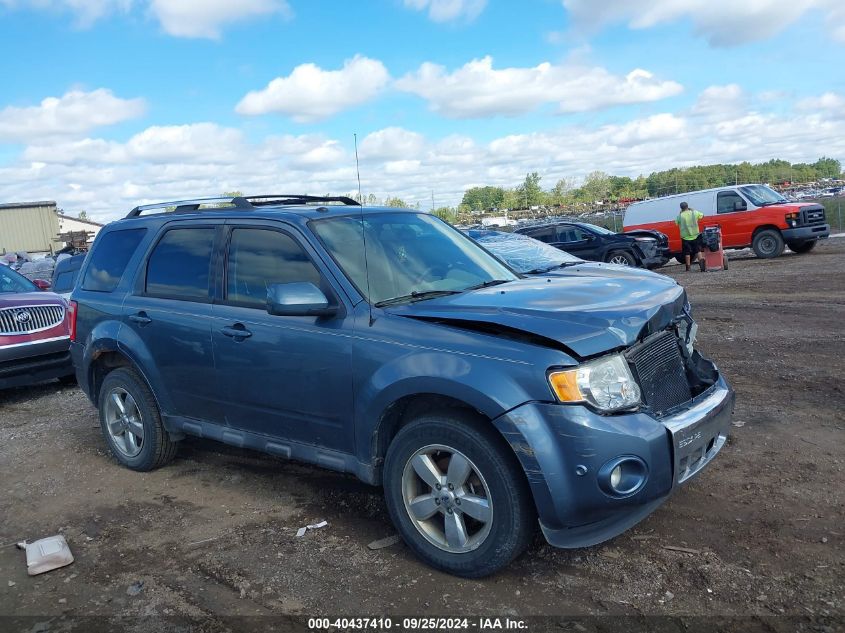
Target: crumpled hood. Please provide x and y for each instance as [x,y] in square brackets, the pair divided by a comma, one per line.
[609,271]
[587,314]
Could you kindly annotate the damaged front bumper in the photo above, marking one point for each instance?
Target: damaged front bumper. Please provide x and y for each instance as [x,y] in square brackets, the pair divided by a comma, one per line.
[565,450]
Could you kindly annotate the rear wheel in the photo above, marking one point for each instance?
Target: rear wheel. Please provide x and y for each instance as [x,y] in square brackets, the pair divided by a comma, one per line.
[768,243]
[802,247]
[457,494]
[621,258]
[131,422]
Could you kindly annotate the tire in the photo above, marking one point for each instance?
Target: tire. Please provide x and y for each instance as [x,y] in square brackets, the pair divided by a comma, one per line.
[802,247]
[724,261]
[622,258]
[495,482]
[139,444]
[768,243]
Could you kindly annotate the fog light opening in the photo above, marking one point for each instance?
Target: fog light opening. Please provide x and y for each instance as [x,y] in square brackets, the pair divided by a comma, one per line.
[623,476]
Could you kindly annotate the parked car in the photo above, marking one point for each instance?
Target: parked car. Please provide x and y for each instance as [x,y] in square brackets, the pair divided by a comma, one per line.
[748,215]
[599,244]
[34,335]
[528,256]
[385,343]
[66,273]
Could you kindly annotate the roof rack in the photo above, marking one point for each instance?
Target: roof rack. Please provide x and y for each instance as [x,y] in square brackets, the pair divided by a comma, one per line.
[297,198]
[243,203]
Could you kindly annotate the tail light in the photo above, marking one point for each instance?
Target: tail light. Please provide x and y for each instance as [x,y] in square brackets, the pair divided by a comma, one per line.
[71,315]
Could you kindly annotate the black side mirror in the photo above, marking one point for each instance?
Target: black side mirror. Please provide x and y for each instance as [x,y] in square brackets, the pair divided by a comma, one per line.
[298,299]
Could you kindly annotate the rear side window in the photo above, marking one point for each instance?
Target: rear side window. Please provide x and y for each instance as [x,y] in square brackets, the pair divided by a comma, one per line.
[108,260]
[64,281]
[546,235]
[259,258]
[179,266]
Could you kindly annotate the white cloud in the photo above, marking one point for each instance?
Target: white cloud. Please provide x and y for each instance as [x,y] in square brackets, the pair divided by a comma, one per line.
[312,94]
[392,143]
[76,112]
[206,18]
[108,177]
[448,10]
[721,22]
[477,89]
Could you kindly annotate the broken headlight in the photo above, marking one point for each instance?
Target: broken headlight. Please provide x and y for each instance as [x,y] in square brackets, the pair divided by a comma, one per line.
[605,383]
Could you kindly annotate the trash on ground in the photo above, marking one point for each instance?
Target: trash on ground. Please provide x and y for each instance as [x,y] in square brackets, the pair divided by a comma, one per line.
[685,550]
[301,531]
[46,554]
[384,542]
[135,588]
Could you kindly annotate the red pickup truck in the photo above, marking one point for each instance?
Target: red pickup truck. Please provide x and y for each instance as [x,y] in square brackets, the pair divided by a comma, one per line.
[748,215]
[34,332]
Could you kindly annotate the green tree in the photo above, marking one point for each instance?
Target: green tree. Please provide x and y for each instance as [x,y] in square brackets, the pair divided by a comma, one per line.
[396,202]
[82,215]
[596,187]
[483,198]
[446,213]
[529,191]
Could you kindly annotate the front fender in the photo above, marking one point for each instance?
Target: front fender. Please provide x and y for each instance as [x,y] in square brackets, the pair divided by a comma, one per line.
[481,384]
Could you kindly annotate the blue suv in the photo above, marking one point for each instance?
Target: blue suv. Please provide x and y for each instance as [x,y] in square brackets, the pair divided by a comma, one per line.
[385,343]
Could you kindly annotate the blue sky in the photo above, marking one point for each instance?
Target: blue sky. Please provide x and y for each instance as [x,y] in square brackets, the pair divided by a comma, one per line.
[109,103]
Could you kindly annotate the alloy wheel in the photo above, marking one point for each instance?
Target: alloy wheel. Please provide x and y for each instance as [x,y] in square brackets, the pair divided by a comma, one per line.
[447,498]
[123,422]
[619,259]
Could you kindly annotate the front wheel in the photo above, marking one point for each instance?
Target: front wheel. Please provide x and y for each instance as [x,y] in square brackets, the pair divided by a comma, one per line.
[768,243]
[621,258]
[802,247]
[457,494]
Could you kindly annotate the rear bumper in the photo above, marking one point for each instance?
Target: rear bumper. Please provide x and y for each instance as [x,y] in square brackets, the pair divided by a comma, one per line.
[805,233]
[562,449]
[28,363]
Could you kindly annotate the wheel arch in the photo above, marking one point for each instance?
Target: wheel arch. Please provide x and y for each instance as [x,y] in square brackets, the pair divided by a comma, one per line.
[764,227]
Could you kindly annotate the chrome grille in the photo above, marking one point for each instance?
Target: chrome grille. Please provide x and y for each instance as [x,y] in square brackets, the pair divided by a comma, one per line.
[30,319]
[659,368]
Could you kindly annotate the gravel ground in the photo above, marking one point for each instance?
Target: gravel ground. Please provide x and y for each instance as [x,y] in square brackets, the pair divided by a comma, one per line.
[212,535]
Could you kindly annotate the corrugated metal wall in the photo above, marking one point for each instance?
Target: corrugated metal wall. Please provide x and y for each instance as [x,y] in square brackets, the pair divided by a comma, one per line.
[30,229]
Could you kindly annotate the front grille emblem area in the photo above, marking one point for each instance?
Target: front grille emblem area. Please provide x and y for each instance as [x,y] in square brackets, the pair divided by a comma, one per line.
[17,320]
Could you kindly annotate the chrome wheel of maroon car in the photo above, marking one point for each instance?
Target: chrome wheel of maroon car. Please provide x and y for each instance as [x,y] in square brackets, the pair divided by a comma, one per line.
[123,421]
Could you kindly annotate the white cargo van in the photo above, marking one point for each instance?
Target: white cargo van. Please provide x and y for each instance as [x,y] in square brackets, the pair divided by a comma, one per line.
[749,215]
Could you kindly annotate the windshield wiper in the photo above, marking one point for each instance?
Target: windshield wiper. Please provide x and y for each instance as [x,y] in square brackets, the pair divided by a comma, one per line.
[540,271]
[416,295]
[487,284]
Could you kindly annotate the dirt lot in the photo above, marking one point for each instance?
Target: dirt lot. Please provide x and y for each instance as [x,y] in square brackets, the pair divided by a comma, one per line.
[212,534]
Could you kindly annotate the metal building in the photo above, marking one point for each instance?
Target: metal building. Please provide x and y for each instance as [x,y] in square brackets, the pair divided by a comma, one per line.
[28,226]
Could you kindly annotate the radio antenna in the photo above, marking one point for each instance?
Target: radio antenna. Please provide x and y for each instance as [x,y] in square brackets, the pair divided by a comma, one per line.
[363,229]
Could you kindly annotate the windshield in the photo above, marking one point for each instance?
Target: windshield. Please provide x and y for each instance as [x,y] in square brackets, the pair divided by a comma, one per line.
[408,255]
[601,229]
[761,195]
[522,253]
[10,281]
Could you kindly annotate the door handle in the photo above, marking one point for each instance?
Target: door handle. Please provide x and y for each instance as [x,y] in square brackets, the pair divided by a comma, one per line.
[237,332]
[141,318]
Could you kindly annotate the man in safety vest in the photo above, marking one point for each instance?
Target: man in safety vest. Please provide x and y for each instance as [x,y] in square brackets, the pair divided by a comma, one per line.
[687,222]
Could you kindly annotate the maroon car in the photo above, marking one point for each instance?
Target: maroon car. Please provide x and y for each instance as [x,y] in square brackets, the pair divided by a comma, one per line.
[34,332]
